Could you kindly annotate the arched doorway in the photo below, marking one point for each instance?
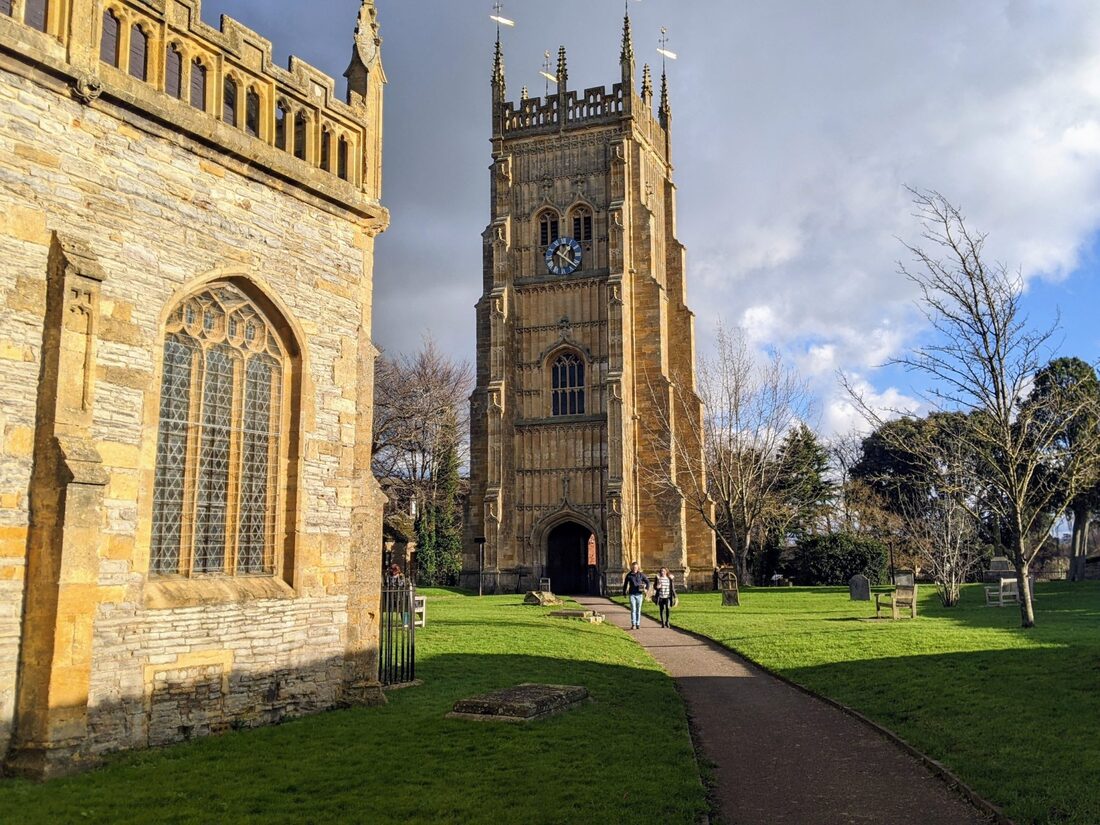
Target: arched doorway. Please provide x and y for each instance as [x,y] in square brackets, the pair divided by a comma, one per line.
[571,562]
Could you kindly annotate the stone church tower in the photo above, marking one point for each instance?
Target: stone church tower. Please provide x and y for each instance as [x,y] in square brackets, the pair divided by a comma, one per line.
[585,346]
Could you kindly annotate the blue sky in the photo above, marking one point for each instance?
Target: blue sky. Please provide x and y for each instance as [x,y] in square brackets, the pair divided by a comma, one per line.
[798,124]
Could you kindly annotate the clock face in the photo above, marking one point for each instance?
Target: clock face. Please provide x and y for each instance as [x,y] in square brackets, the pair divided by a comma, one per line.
[563,256]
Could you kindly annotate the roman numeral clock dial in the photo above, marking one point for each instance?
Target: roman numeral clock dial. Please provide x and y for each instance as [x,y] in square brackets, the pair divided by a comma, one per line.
[563,256]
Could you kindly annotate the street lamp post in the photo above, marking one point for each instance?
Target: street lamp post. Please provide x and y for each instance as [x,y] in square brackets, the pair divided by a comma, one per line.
[480,541]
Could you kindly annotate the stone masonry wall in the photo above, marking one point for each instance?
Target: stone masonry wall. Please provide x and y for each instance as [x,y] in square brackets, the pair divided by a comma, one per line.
[161,218]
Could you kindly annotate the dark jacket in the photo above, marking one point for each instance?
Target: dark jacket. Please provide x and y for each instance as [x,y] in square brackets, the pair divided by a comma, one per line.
[635,583]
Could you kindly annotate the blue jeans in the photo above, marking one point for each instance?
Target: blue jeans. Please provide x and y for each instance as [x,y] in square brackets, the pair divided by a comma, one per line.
[636,600]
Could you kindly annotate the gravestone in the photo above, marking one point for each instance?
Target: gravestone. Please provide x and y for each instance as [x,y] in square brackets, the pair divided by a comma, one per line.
[590,616]
[1000,568]
[727,584]
[905,578]
[540,598]
[522,703]
[859,588]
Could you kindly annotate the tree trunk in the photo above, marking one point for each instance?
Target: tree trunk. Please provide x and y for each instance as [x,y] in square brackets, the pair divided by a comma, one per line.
[1027,609]
[1080,545]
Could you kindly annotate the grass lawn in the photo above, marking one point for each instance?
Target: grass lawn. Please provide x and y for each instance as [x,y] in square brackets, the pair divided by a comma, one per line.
[624,753]
[1015,713]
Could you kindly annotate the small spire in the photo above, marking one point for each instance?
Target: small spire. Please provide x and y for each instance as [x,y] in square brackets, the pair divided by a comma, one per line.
[523,95]
[628,40]
[647,83]
[563,70]
[498,67]
[664,110]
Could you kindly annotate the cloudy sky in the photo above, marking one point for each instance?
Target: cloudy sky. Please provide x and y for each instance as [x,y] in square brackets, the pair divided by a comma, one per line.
[798,124]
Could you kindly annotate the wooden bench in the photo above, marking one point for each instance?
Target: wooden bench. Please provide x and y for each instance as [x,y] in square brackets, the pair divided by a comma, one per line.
[904,595]
[1006,592]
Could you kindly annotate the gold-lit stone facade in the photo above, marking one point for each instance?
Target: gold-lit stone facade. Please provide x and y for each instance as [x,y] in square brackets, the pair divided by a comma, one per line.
[134,195]
[549,471]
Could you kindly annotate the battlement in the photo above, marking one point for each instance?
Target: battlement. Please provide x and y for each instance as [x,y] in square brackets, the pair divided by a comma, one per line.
[595,106]
[160,57]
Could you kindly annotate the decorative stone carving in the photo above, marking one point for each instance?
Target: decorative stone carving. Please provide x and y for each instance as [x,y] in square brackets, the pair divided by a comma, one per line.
[87,87]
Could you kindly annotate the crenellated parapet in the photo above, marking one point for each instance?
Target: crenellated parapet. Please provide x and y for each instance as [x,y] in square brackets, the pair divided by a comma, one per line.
[219,83]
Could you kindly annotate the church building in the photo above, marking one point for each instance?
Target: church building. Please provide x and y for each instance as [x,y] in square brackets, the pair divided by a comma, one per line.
[190,533]
[585,404]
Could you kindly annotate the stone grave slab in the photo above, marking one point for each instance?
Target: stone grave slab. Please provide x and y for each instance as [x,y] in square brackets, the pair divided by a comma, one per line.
[541,599]
[522,703]
[590,616]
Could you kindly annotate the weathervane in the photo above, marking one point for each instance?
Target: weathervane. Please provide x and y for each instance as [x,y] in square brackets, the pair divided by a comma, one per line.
[498,17]
[662,48]
[547,65]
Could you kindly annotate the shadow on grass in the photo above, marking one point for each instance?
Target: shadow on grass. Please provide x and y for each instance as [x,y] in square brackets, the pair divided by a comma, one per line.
[1019,725]
[405,762]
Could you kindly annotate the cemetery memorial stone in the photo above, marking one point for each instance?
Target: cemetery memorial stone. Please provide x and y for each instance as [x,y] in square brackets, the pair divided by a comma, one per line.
[905,578]
[541,598]
[859,588]
[727,584]
[522,703]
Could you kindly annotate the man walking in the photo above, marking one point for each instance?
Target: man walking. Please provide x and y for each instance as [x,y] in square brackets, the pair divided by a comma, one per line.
[635,586]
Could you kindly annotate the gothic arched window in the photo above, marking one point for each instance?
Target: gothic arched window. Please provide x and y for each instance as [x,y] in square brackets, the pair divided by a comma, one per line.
[108,43]
[198,85]
[549,224]
[300,135]
[139,52]
[173,71]
[582,224]
[281,114]
[342,159]
[326,149]
[229,101]
[220,439]
[252,113]
[567,385]
[36,14]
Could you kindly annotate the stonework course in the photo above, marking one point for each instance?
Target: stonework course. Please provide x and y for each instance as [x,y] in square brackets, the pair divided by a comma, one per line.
[117,203]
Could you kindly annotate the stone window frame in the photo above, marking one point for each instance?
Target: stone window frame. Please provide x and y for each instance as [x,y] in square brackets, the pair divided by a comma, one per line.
[205,63]
[52,15]
[283,127]
[224,586]
[253,92]
[325,153]
[580,210]
[128,22]
[580,391]
[232,77]
[306,150]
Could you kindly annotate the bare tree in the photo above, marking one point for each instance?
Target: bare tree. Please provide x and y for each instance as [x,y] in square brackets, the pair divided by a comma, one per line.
[726,465]
[420,402]
[983,358]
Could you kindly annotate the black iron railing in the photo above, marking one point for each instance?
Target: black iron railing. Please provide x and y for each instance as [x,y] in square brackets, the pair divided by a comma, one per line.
[397,640]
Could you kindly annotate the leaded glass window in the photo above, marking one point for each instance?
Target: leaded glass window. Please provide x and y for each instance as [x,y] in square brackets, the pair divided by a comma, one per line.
[216,487]
[567,385]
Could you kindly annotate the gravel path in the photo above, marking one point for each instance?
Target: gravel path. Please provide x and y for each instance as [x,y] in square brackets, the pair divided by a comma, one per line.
[782,757]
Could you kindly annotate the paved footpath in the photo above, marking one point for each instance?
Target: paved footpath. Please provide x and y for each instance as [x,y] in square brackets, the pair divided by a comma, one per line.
[785,758]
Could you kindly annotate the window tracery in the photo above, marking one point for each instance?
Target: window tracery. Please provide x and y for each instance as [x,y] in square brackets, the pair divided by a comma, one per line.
[567,388]
[220,438]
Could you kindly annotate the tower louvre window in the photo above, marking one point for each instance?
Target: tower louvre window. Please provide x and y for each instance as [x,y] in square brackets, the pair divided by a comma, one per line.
[173,72]
[139,53]
[5,7]
[220,435]
[548,228]
[567,385]
[252,113]
[108,43]
[582,224]
[229,101]
[198,85]
[36,13]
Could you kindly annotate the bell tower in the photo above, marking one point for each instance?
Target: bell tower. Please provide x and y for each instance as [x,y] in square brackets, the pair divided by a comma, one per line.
[585,345]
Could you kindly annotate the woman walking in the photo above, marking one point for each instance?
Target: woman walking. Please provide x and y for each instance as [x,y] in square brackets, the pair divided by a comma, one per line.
[635,585]
[665,589]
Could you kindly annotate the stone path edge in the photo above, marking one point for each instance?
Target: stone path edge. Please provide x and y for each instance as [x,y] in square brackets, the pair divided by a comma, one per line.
[940,770]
